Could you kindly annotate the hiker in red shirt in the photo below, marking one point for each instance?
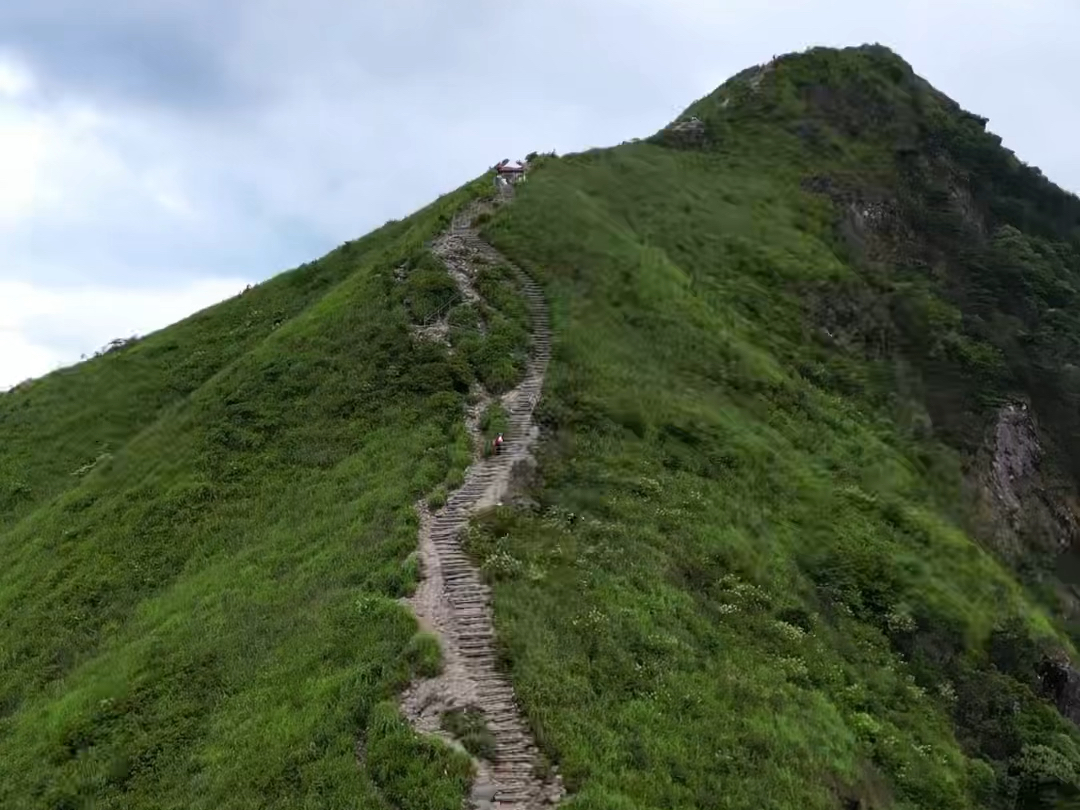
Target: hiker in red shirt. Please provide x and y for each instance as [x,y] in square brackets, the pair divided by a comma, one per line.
[496,445]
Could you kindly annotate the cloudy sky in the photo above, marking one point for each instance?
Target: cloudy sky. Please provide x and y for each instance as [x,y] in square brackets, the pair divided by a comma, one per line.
[157,155]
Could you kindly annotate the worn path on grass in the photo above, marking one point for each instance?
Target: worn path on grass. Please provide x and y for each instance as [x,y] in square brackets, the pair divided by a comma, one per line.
[452,600]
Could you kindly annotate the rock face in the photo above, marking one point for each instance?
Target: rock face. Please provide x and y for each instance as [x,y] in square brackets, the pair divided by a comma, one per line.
[1025,505]
[1016,453]
[690,132]
[1022,514]
[1061,683]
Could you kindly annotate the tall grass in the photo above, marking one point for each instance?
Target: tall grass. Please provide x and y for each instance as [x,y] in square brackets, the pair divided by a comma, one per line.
[745,587]
[207,616]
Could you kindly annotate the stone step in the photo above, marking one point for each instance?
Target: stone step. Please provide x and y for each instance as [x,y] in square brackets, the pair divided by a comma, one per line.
[478,630]
[505,693]
[517,744]
[509,771]
[456,564]
[454,581]
[505,728]
[454,558]
[508,801]
[465,589]
[474,610]
[473,601]
[522,759]
[466,572]
[480,645]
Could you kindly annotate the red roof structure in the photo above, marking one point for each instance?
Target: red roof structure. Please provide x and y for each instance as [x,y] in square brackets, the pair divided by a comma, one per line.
[505,168]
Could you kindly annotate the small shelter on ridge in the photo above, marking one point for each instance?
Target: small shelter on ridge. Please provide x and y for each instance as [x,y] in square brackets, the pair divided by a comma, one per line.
[507,173]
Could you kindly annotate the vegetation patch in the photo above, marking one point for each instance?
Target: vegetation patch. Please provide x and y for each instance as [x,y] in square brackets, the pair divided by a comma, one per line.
[493,421]
[424,655]
[499,352]
[208,618]
[751,566]
[401,764]
[469,727]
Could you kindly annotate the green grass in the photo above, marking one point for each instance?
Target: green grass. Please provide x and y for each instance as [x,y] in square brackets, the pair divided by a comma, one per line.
[469,727]
[402,763]
[425,655]
[204,551]
[493,337]
[437,498]
[746,587]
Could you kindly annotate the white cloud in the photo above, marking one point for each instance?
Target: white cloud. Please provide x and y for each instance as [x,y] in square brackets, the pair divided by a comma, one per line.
[15,79]
[42,328]
[20,360]
[102,194]
[67,162]
[22,153]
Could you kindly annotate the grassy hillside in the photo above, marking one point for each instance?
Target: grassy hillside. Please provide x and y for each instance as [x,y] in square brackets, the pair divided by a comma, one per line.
[749,583]
[204,535]
[755,576]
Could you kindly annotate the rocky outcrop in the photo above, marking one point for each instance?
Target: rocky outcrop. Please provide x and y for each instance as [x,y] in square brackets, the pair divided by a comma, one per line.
[1061,684]
[1015,458]
[690,132]
[1021,512]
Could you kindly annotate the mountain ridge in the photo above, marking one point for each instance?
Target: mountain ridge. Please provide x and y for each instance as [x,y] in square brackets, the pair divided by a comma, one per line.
[770,554]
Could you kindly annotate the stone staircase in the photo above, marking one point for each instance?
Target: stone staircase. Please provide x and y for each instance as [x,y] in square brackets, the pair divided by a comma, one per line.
[463,618]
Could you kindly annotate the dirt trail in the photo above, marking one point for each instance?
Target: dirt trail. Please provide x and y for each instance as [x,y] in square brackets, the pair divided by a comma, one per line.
[452,600]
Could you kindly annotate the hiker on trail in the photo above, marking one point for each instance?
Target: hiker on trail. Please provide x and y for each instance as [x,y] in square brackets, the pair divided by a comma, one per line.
[497,444]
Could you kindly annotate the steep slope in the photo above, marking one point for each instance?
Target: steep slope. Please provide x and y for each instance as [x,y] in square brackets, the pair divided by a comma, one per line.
[207,618]
[759,575]
[798,534]
[66,421]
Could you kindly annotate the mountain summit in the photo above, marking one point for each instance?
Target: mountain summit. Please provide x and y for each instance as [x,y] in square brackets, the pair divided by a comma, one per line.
[785,514]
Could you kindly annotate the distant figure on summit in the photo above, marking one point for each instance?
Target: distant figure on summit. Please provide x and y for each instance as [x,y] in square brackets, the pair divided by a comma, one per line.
[496,445]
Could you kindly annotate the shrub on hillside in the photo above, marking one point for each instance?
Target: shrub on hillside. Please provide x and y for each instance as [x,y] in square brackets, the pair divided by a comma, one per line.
[469,727]
[424,655]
